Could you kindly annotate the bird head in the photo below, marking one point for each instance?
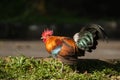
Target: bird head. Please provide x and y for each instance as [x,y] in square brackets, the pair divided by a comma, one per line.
[46,33]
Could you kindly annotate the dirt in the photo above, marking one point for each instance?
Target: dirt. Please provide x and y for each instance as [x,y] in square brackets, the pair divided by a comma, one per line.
[110,50]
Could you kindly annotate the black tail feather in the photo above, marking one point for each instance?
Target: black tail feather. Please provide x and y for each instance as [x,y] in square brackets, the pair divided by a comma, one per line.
[97,30]
[92,30]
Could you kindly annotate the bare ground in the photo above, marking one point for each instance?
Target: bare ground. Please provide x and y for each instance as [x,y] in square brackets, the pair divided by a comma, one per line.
[110,50]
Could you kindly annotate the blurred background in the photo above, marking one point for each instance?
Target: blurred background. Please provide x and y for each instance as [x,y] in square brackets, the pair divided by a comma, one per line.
[22,22]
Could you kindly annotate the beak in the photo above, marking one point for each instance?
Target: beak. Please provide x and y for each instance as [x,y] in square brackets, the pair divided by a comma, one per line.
[41,37]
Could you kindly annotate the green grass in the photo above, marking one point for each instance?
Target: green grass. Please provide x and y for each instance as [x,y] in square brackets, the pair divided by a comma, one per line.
[24,68]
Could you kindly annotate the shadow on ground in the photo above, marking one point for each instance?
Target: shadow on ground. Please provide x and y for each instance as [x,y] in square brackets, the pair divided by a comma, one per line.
[90,65]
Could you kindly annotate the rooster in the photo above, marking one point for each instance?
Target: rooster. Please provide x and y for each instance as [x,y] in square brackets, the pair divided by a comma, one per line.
[69,49]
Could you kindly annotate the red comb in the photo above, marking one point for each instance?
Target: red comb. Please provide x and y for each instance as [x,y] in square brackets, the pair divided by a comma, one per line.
[47,32]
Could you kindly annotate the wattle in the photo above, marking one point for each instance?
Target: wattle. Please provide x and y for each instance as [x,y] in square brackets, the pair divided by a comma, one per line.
[44,40]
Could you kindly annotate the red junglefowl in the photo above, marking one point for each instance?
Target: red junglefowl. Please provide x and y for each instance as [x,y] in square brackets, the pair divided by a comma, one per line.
[67,49]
